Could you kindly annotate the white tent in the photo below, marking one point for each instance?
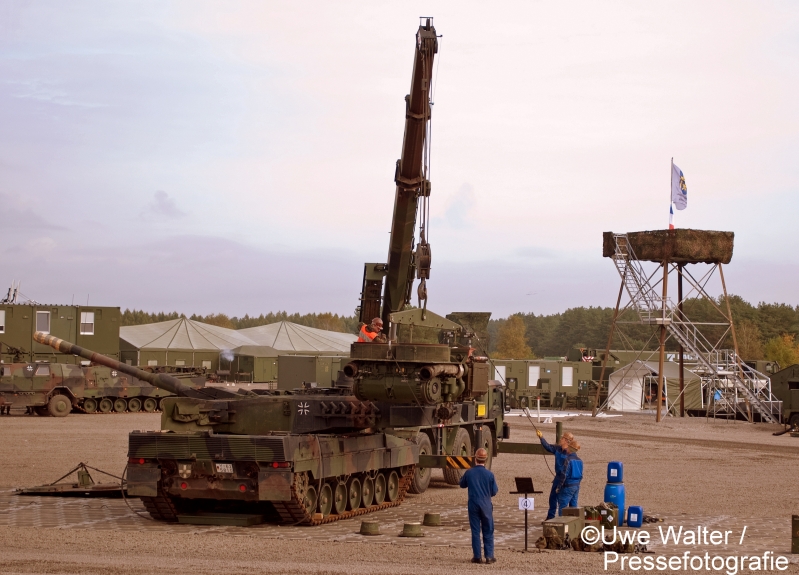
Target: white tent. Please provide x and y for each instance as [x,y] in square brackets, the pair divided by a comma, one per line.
[287,336]
[634,386]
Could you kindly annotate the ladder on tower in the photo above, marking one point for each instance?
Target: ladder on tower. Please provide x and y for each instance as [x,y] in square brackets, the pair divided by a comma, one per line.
[653,309]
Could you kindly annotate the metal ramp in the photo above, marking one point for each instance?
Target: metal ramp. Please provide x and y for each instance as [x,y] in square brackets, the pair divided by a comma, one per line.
[731,385]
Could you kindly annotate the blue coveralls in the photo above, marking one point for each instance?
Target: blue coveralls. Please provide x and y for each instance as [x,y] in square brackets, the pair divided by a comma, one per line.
[563,494]
[482,487]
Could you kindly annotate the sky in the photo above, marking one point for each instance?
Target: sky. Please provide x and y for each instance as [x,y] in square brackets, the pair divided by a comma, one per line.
[238,157]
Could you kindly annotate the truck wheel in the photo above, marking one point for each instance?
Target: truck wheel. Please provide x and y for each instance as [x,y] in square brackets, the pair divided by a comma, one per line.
[794,421]
[421,479]
[59,405]
[463,447]
[487,444]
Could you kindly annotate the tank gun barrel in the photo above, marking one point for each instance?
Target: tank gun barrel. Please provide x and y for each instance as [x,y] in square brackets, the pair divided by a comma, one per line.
[159,380]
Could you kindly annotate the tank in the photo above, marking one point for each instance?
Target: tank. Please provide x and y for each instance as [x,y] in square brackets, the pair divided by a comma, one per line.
[311,456]
[58,389]
[614,493]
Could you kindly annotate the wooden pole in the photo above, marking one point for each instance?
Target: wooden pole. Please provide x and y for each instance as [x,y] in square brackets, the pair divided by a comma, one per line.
[607,349]
[738,365]
[662,358]
[681,317]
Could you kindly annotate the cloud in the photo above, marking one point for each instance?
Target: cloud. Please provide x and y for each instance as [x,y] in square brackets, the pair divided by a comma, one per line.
[18,216]
[458,208]
[163,205]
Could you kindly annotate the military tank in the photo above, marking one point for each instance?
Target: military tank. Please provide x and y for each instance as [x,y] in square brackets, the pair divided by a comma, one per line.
[399,409]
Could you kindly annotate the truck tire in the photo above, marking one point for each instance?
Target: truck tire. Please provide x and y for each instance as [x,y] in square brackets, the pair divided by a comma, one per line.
[487,444]
[59,405]
[794,420]
[462,446]
[421,479]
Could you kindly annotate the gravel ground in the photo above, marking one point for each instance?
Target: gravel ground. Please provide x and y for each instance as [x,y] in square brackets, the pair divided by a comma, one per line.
[693,467]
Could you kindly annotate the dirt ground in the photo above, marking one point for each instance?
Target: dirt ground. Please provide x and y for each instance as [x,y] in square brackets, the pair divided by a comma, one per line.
[722,473]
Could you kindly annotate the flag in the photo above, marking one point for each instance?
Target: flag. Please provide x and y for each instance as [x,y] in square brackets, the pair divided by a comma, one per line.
[679,192]
[671,217]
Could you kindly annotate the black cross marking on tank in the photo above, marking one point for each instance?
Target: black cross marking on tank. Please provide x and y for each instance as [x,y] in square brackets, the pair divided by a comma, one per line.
[302,408]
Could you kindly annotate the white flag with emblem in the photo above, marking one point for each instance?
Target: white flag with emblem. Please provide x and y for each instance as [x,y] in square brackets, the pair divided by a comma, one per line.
[679,192]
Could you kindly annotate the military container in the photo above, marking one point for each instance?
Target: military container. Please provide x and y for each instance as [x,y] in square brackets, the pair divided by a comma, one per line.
[296,370]
[547,380]
[93,326]
[785,387]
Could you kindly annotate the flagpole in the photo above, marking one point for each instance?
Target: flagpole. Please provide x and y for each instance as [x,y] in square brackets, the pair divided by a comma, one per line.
[671,202]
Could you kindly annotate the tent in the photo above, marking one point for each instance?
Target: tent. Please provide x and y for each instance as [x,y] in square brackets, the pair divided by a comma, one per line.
[632,387]
[287,336]
[179,342]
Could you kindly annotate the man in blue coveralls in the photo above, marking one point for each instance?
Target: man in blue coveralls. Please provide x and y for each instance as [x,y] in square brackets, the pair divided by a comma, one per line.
[482,487]
[568,473]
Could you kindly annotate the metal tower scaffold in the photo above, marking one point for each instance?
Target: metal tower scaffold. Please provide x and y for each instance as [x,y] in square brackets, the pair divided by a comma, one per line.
[729,386]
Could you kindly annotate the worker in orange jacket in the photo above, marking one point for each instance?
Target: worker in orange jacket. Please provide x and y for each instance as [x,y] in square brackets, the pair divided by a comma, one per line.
[372,332]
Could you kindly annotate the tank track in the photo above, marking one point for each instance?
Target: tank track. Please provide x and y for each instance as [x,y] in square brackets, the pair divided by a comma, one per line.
[161,507]
[293,512]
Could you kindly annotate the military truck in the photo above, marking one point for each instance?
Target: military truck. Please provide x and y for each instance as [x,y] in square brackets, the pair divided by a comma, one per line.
[557,383]
[57,389]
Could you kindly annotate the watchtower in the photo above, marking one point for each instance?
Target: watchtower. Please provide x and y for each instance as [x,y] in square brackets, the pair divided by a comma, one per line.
[728,385]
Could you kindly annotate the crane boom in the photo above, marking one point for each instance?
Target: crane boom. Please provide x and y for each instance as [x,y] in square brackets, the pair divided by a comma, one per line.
[411,185]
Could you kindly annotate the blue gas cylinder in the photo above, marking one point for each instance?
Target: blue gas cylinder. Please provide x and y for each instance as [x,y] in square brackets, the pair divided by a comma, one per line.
[635,516]
[614,493]
[615,472]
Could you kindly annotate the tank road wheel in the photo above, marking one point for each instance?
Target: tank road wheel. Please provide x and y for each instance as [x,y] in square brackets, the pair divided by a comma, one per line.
[367,491]
[340,498]
[150,404]
[353,494]
[380,488]
[120,405]
[487,444]
[310,500]
[59,406]
[105,405]
[392,486]
[325,500]
[134,404]
[89,405]
[462,446]
[421,479]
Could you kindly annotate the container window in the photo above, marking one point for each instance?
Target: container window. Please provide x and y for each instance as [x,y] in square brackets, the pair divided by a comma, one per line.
[568,377]
[2,321]
[152,362]
[499,373]
[43,370]
[6,371]
[87,323]
[43,321]
[180,362]
[207,364]
[533,375]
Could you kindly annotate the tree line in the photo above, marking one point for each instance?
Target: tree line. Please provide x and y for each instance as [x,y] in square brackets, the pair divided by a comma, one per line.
[764,331]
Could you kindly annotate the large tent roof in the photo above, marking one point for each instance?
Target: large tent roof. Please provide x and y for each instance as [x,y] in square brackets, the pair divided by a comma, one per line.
[286,336]
[183,334]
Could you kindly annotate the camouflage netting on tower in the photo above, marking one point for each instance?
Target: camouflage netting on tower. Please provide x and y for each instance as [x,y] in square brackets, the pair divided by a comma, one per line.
[681,246]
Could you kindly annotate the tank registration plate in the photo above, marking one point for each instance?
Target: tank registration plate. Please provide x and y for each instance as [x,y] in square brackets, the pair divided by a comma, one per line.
[224,468]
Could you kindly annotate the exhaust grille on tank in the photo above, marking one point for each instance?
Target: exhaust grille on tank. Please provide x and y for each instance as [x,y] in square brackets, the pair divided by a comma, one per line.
[235,447]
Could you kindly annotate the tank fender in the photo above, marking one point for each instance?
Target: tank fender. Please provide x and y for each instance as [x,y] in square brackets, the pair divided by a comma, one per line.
[143,481]
[274,485]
